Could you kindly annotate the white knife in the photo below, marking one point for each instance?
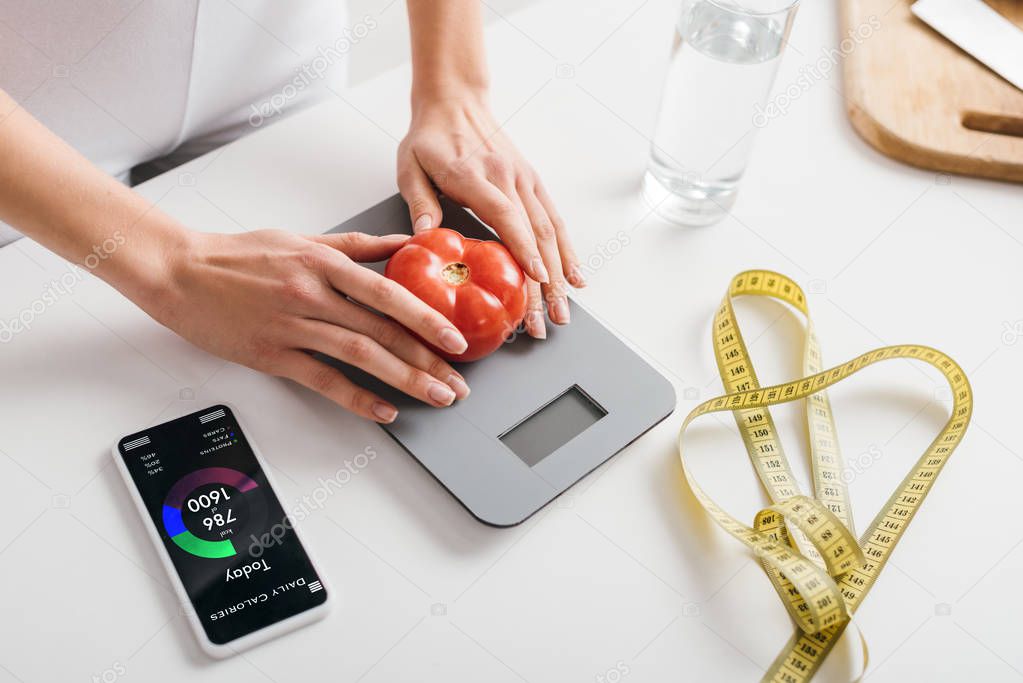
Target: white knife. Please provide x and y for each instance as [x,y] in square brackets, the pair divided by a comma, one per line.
[984,33]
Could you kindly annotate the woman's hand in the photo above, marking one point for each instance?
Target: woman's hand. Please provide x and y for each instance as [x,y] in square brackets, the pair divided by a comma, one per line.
[455,145]
[266,299]
[263,299]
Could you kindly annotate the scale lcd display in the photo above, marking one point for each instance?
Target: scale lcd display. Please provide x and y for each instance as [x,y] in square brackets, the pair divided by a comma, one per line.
[552,426]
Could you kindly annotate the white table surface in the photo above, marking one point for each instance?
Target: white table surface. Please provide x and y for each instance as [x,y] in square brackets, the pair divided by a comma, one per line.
[624,570]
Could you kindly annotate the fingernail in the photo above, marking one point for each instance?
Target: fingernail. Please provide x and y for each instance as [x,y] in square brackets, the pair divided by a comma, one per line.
[452,341]
[561,314]
[537,329]
[395,237]
[424,222]
[576,276]
[539,271]
[385,413]
[440,393]
[459,385]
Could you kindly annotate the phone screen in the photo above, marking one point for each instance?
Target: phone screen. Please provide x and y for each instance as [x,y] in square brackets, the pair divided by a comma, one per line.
[231,542]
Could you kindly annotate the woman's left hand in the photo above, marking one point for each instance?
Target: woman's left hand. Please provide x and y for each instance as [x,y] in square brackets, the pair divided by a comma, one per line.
[454,145]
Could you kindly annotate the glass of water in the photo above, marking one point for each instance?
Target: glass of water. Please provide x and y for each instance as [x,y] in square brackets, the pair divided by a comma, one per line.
[723,62]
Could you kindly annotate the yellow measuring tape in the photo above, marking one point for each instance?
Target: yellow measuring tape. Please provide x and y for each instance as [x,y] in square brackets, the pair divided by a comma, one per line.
[807,545]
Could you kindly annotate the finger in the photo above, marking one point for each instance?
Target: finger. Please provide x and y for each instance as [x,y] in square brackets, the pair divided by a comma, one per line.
[553,291]
[556,291]
[535,326]
[329,382]
[415,186]
[395,339]
[506,218]
[366,354]
[362,247]
[569,260]
[390,298]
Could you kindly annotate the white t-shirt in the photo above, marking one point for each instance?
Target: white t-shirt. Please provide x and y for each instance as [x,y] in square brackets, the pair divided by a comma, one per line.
[131,81]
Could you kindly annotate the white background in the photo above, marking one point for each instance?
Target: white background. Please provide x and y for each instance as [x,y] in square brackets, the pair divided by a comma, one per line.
[624,570]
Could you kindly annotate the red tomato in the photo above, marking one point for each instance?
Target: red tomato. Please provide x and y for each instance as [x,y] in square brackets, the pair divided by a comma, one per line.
[475,284]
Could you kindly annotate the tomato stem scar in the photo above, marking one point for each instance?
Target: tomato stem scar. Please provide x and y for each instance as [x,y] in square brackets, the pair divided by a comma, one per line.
[455,273]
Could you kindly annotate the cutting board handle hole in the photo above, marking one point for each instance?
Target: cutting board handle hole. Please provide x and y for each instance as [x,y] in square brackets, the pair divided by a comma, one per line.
[999,124]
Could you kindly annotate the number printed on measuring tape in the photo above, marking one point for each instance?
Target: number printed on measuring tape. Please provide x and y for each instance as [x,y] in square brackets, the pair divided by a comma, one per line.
[807,545]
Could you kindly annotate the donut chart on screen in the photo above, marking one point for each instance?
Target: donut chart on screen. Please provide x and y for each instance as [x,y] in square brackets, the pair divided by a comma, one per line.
[174,523]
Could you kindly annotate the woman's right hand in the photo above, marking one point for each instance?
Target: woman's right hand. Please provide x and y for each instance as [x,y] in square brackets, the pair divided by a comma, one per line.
[267,299]
[263,299]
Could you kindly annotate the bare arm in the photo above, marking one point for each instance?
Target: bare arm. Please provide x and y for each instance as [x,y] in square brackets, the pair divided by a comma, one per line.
[262,299]
[455,144]
[53,194]
[448,57]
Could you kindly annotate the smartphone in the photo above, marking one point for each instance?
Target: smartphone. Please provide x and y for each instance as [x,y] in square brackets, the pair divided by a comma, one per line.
[237,562]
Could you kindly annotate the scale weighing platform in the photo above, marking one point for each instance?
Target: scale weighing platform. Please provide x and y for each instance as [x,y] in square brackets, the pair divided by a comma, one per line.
[542,413]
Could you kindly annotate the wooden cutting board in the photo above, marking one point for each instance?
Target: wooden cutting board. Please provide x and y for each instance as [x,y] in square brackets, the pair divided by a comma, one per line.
[918,98]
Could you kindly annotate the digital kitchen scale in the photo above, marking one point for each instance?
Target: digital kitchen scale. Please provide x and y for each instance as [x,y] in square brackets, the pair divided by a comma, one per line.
[542,413]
